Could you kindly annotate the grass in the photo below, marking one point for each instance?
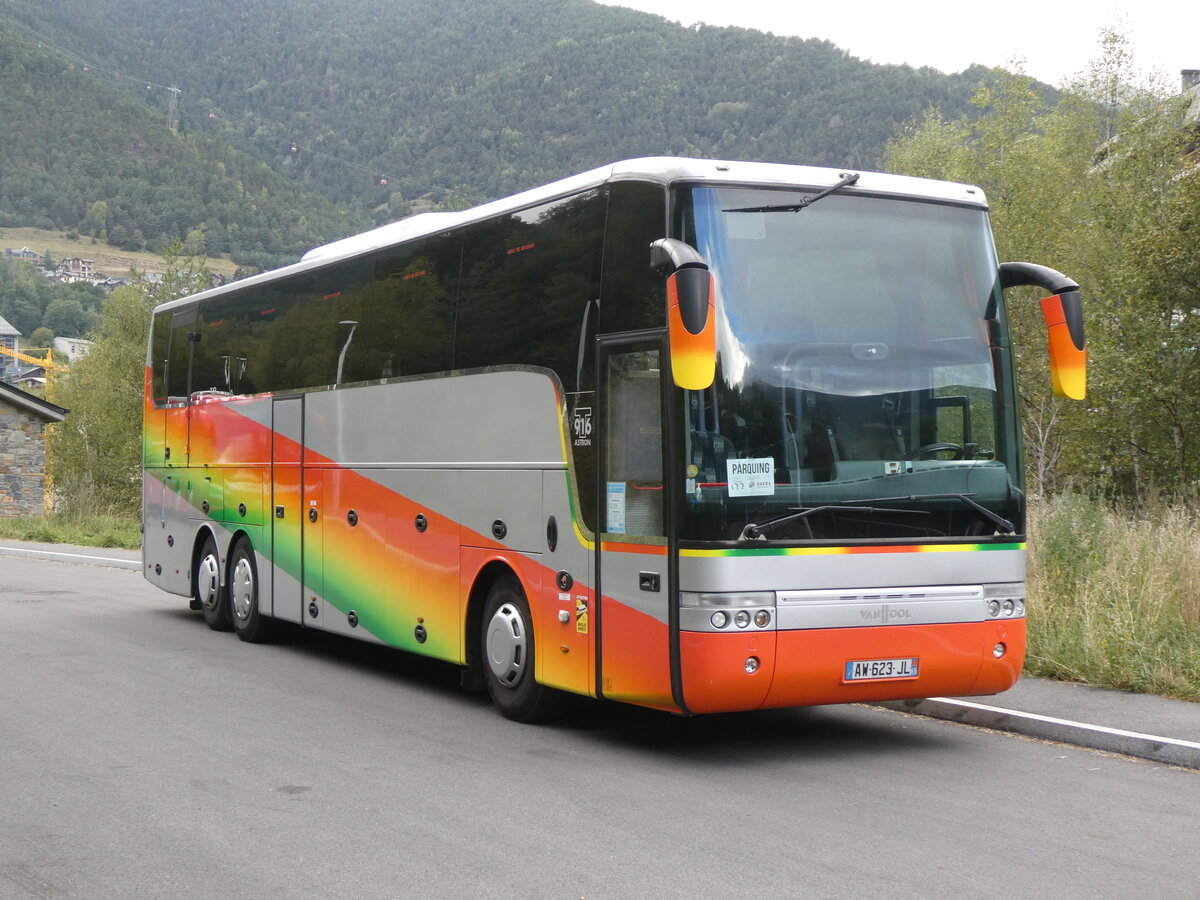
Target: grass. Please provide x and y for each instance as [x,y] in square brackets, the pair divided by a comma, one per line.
[86,530]
[1114,598]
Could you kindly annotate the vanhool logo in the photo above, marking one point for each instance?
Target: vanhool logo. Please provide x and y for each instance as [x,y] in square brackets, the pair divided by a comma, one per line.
[886,614]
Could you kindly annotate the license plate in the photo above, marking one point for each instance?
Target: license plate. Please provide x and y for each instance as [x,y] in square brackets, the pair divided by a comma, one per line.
[874,669]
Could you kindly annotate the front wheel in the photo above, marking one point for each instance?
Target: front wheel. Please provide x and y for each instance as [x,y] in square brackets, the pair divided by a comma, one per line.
[248,621]
[508,655]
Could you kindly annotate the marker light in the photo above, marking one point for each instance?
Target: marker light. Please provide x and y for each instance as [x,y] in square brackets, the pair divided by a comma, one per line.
[720,619]
[751,665]
[999,650]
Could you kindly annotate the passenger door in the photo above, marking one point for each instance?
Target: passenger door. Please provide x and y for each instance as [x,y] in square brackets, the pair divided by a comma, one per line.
[632,554]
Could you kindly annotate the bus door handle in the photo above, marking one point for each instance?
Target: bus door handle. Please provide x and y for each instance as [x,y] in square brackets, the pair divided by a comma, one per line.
[649,581]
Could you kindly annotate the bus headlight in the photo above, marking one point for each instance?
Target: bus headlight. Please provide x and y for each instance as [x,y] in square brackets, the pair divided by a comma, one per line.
[719,610]
[1005,601]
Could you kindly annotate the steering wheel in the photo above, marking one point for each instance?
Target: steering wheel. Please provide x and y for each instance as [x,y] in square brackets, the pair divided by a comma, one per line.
[930,450]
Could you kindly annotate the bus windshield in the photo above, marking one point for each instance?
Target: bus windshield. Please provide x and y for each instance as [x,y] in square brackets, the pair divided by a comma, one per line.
[863,387]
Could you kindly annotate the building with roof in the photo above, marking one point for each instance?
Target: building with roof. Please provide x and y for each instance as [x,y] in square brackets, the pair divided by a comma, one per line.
[24,254]
[72,348]
[23,421]
[8,341]
[76,268]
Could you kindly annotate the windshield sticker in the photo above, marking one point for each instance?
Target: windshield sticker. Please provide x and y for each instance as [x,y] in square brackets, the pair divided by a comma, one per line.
[751,477]
[616,507]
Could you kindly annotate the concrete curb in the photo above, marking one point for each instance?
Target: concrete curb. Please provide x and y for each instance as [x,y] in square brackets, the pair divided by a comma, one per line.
[91,559]
[1170,751]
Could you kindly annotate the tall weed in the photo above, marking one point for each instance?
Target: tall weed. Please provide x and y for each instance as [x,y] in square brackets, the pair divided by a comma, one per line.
[1114,596]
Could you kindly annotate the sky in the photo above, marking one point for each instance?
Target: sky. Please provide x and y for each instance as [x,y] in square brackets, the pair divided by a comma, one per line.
[1054,39]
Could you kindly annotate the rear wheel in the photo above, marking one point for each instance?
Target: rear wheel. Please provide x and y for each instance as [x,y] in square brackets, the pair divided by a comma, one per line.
[207,590]
[508,656]
[248,621]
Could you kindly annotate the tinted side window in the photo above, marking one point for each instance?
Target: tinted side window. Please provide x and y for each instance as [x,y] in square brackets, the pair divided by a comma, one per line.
[528,279]
[633,297]
[160,346]
[218,360]
[408,311]
[183,330]
[366,319]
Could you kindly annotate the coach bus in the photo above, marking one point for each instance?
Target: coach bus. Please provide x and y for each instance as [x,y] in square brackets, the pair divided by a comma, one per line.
[696,435]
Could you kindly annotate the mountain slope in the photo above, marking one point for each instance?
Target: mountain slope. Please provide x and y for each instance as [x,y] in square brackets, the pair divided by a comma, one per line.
[480,90]
[457,101]
[73,141]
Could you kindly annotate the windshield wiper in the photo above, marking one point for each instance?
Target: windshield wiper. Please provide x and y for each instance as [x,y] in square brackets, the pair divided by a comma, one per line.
[846,181]
[753,531]
[1002,524]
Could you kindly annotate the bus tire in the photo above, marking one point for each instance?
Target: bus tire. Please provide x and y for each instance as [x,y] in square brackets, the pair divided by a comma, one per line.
[207,589]
[507,651]
[248,621]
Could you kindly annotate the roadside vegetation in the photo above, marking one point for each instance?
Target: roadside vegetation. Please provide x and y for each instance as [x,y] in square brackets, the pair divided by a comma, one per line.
[73,528]
[1114,595]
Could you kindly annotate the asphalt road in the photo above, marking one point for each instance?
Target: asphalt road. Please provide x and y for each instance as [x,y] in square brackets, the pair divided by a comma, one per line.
[143,755]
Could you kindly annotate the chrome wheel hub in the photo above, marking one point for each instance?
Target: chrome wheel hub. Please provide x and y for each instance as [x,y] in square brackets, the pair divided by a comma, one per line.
[241,589]
[208,582]
[507,645]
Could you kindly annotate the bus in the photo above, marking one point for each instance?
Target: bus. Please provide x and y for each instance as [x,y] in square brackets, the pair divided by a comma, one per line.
[696,435]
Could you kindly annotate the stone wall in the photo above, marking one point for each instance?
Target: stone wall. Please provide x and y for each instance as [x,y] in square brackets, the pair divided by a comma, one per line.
[22,462]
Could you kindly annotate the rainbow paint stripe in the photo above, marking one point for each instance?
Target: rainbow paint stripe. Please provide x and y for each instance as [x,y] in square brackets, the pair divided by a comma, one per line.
[843,550]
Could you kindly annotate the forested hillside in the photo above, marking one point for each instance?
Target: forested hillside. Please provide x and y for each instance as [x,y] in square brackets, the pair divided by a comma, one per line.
[373,107]
[80,152]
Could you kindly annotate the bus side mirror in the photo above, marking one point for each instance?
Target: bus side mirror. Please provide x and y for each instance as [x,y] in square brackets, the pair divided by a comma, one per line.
[691,316]
[1063,312]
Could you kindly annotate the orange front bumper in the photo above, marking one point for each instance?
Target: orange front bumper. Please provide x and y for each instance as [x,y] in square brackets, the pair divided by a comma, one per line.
[807,668]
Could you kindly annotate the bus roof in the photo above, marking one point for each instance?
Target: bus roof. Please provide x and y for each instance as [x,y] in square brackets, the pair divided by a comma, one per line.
[665,169]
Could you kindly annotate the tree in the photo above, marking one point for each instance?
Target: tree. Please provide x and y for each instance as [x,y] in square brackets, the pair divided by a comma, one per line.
[23,295]
[95,454]
[1098,187]
[66,317]
[95,222]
